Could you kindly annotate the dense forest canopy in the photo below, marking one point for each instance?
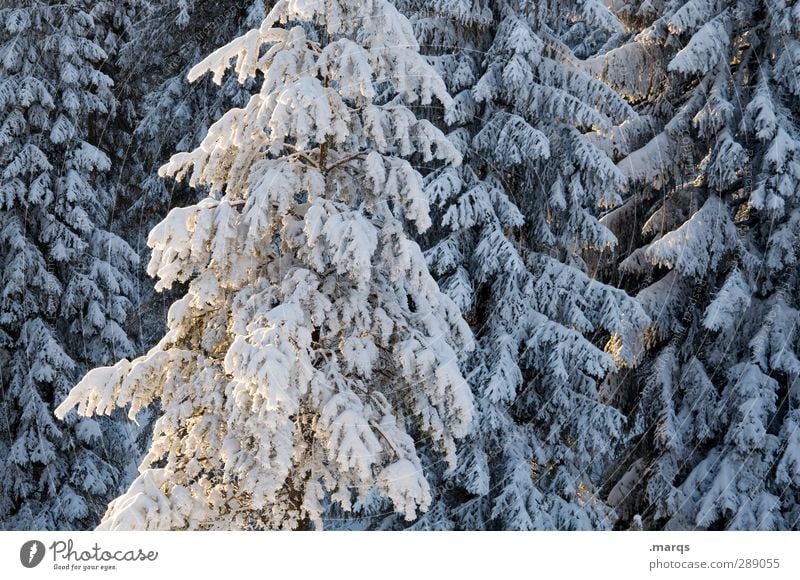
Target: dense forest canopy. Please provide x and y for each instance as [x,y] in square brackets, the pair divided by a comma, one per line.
[423,264]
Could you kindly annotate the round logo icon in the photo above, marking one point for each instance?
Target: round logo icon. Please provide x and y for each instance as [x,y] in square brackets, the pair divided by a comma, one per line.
[31,553]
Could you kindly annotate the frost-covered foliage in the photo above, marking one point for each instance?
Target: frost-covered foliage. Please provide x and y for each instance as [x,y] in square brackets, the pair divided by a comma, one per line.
[312,348]
[161,113]
[608,204]
[66,279]
[712,216]
[172,114]
[512,224]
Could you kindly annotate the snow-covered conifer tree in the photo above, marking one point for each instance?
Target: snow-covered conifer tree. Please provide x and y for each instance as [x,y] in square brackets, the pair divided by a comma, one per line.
[66,278]
[713,222]
[513,221]
[312,349]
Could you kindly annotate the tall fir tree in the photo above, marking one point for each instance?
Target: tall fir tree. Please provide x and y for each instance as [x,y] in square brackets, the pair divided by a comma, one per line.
[713,220]
[514,221]
[66,279]
[313,349]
